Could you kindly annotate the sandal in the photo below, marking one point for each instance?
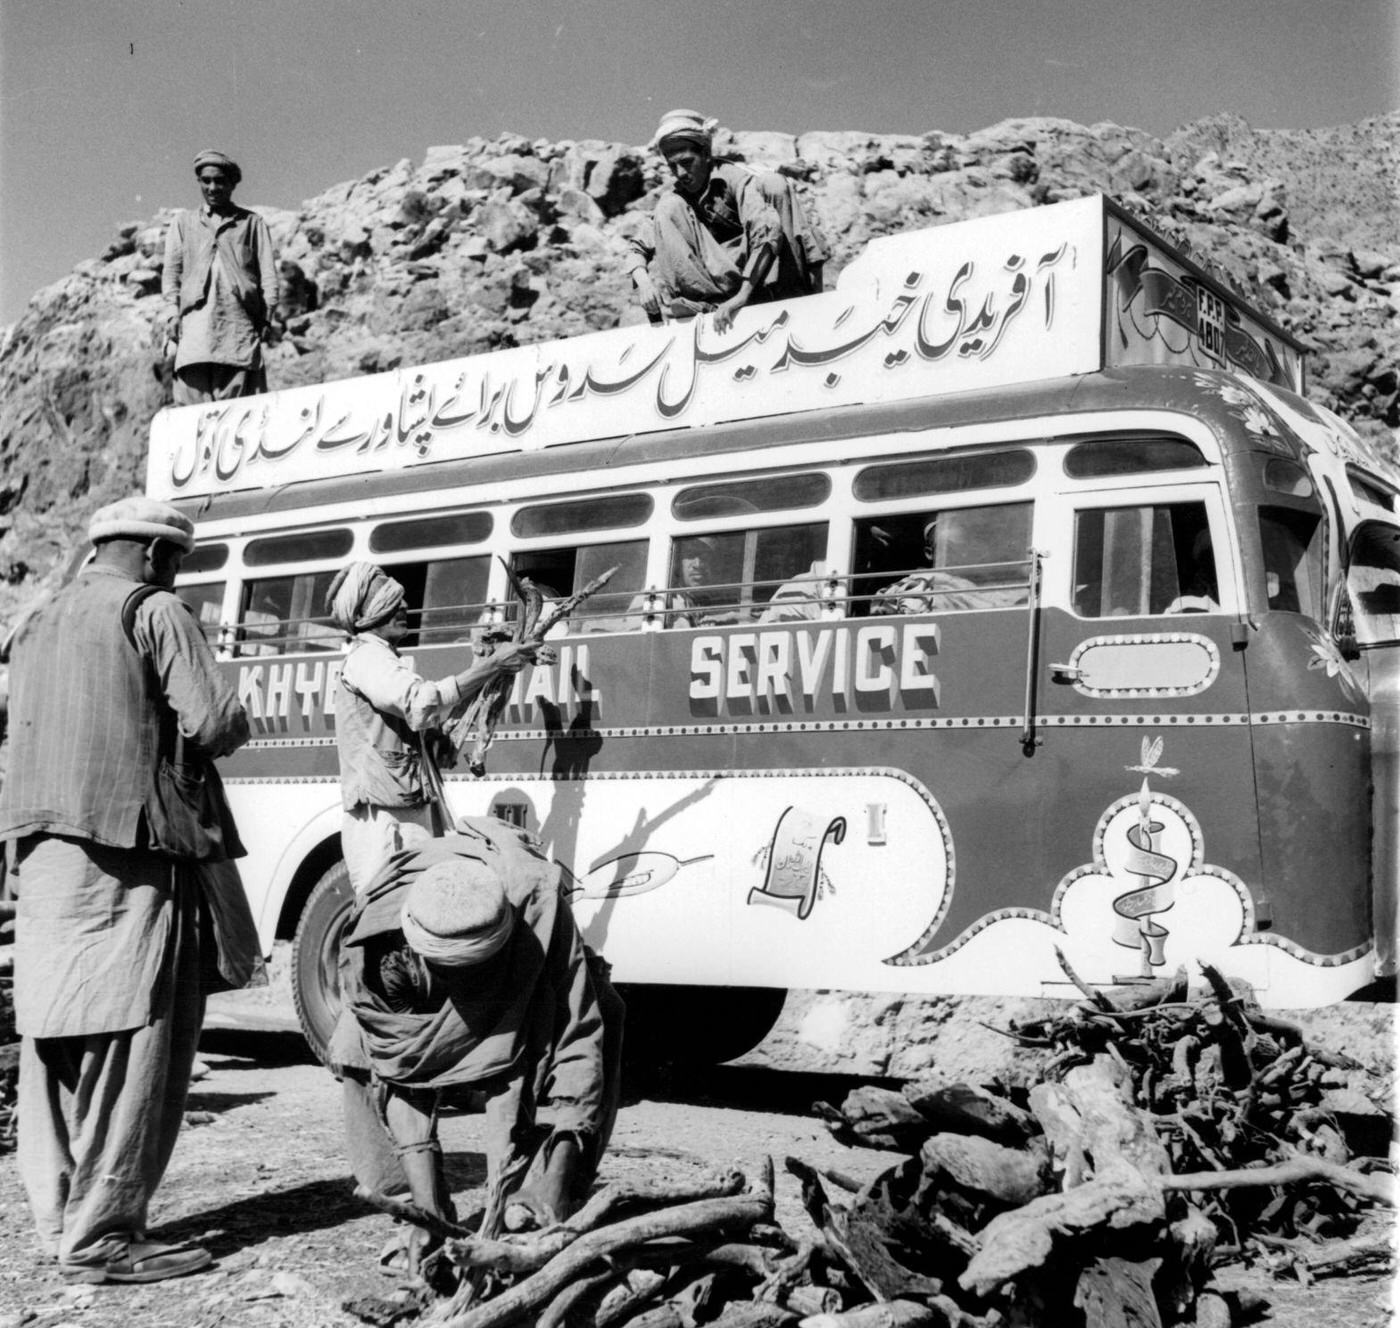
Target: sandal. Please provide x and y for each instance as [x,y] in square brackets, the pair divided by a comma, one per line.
[142,1261]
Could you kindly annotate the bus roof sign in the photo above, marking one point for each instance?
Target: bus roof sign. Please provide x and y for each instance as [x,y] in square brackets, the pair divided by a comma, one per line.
[1020,297]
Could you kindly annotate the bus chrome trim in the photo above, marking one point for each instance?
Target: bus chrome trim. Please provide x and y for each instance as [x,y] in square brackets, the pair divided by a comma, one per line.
[991,722]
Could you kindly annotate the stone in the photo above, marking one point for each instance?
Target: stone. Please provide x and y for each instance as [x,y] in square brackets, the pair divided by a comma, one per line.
[1369,264]
[144,280]
[520,173]
[615,180]
[441,162]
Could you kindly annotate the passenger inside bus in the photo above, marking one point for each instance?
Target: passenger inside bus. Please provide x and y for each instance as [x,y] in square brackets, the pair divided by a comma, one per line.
[1200,591]
[976,559]
[562,572]
[764,574]
[1137,561]
[687,603]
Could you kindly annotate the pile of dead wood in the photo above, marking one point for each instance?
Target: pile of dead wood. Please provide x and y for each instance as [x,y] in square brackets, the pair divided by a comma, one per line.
[1164,1135]
[1163,1132]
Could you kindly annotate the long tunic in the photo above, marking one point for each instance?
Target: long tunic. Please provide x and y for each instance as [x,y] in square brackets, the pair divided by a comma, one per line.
[220,275]
[381,705]
[92,927]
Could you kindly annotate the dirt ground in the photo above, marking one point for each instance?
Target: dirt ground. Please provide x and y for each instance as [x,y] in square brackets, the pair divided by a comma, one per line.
[259,1178]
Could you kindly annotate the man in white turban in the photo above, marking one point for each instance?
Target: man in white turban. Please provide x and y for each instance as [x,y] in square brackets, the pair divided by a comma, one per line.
[220,285]
[724,236]
[382,710]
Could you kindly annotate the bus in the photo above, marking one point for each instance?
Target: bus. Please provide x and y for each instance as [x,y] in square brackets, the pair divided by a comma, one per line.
[1004,618]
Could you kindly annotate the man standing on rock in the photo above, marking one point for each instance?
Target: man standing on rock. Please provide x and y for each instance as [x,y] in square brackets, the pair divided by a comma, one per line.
[220,289]
[107,679]
[724,236]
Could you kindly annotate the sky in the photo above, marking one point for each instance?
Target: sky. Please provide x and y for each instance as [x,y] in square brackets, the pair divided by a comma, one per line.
[103,103]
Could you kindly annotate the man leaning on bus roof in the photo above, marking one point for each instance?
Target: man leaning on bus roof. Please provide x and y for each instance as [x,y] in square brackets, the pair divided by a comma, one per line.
[382,707]
[220,286]
[724,236]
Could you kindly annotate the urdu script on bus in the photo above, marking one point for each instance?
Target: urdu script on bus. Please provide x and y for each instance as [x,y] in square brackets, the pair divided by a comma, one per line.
[519,398]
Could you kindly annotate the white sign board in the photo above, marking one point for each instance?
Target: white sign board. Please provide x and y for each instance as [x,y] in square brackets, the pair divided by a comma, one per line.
[978,304]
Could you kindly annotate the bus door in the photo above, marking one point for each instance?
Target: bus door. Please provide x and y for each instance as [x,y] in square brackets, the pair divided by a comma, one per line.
[1142,729]
[1366,625]
[1311,729]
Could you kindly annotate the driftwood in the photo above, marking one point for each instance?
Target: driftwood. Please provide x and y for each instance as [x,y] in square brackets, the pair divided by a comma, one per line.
[472,727]
[526,1254]
[1378,1189]
[1011,1176]
[967,1109]
[1164,1134]
[1305,1260]
[525,1299]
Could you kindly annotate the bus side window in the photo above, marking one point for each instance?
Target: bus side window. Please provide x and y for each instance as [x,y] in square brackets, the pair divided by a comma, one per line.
[734,576]
[453,599]
[952,559]
[207,601]
[284,614]
[1292,544]
[563,572]
[1143,561]
[1373,585]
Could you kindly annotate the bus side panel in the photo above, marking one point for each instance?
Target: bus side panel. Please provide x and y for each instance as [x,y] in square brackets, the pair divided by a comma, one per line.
[1312,769]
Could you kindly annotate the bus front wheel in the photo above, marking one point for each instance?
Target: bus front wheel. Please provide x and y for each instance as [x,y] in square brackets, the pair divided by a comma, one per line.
[316,957]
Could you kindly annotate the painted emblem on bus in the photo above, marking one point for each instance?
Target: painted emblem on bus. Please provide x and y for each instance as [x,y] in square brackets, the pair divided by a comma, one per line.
[1187,316]
[1327,655]
[630,874]
[1147,889]
[793,878]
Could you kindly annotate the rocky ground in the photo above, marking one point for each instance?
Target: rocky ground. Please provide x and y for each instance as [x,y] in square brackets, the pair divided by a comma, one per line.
[258,1175]
[500,242]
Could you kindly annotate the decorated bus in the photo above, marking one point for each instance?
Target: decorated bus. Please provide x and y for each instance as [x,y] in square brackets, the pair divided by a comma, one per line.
[1004,616]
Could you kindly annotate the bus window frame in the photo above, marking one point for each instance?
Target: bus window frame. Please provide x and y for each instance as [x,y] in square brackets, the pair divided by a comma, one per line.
[1055,532]
[749,610]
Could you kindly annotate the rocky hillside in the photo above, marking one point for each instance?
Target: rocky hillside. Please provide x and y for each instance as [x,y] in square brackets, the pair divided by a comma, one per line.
[493,244]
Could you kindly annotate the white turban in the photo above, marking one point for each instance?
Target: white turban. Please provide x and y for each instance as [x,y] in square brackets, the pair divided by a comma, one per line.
[362,596]
[688,125]
[456,913]
[220,159]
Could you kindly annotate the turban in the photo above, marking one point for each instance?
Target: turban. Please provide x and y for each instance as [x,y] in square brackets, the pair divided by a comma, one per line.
[226,163]
[686,126]
[362,596]
[141,518]
[456,913]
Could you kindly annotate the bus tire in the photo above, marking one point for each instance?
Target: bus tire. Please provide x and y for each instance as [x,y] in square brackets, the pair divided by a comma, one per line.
[697,1025]
[316,957]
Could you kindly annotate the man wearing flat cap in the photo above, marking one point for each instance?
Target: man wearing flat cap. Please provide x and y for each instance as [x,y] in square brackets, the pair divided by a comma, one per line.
[462,967]
[220,289]
[111,685]
[723,236]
